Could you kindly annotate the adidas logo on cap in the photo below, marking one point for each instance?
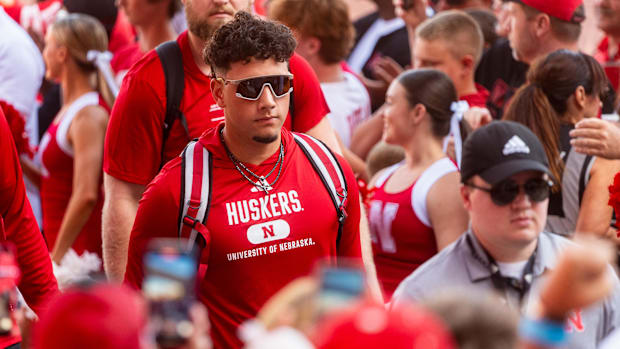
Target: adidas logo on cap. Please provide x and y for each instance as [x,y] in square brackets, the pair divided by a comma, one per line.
[515,145]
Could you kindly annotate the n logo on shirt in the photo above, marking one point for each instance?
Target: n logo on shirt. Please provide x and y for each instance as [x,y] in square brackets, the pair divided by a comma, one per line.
[381,218]
[268,231]
[574,322]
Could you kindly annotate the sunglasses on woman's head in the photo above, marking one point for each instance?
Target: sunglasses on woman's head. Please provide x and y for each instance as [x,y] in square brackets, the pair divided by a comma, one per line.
[252,88]
[504,192]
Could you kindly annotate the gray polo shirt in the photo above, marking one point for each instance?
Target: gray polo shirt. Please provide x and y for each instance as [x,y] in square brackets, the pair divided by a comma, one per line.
[457,268]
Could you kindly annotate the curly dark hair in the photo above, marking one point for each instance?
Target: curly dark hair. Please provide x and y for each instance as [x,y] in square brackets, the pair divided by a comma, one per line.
[247,37]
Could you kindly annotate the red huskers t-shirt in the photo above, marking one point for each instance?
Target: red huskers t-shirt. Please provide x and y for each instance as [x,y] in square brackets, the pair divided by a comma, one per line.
[243,272]
[134,137]
[18,226]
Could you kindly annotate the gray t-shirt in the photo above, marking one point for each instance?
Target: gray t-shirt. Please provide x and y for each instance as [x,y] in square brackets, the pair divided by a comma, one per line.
[459,268]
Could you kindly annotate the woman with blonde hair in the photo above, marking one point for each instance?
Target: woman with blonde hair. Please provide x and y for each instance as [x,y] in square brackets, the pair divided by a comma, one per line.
[71,151]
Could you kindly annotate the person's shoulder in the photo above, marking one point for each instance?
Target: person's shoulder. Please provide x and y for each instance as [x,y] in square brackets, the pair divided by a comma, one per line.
[167,180]
[318,146]
[92,114]
[444,259]
[126,56]
[553,241]
[146,68]
[366,21]
[435,272]
[299,66]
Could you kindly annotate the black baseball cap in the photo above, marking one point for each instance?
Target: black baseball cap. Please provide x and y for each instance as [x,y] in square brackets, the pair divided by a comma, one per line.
[501,149]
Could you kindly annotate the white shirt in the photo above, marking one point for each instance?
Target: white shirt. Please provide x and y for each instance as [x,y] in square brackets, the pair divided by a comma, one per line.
[349,104]
[21,71]
[21,74]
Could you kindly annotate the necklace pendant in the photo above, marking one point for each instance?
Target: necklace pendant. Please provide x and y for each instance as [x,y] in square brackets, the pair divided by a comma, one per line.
[264,185]
[263,182]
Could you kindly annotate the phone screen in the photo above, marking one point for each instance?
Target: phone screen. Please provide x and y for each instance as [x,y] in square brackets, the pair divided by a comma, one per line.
[169,287]
[340,287]
[168,275]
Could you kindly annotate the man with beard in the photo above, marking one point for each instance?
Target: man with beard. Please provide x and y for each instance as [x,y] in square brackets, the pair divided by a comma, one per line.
[257,236]
[136,147]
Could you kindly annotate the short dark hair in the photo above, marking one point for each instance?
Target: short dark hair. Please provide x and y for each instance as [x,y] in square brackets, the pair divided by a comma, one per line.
[247,37]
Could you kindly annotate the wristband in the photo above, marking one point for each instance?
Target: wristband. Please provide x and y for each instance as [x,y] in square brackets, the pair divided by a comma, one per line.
[543,331]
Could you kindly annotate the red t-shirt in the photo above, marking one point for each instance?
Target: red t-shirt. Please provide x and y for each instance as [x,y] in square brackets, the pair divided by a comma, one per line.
[37,283]
[242,275]
[478,99]
[125,57]
[134,137]
[603,57]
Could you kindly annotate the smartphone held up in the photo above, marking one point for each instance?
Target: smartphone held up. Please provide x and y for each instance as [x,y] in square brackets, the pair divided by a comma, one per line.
[169,287]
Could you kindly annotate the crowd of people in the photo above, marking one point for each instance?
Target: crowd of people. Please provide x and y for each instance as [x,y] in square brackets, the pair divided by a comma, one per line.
[297,174]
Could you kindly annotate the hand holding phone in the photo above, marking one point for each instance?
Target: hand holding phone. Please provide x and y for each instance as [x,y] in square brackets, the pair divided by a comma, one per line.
[169,287]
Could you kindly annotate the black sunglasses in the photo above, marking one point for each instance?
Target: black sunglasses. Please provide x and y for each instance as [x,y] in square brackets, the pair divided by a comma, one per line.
[252,88]
[504,192]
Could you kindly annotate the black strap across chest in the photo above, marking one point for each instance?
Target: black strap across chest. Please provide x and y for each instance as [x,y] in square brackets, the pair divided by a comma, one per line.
[502,283]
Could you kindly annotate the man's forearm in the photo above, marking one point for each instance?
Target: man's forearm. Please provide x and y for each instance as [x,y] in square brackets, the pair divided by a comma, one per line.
[119,213]
[118,218]
[367,257]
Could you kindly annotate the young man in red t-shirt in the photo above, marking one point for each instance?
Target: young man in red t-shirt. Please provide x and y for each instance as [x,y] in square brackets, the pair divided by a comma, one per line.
[18,226]
[452,42]
[245,265]
[134,149]
[152,22]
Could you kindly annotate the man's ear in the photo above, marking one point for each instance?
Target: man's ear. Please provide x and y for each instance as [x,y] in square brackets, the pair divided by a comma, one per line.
[217,90]
[542,24]
[313,45]
[308,46]
[469,65]
[465,196]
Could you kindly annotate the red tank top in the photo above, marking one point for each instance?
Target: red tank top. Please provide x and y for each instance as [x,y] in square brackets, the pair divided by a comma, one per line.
[57,179]
[402,235]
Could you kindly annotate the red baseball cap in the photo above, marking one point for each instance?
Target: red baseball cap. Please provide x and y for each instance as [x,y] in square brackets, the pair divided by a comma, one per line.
[371,326]
[566,10]
[101,317]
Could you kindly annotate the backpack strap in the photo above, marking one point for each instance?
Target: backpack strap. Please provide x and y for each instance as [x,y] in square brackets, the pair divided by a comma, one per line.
[328,168]
[196,166]
[172,62]
[584,175]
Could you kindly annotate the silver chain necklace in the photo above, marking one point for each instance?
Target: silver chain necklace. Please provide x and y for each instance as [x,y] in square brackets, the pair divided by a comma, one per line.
[262,183]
